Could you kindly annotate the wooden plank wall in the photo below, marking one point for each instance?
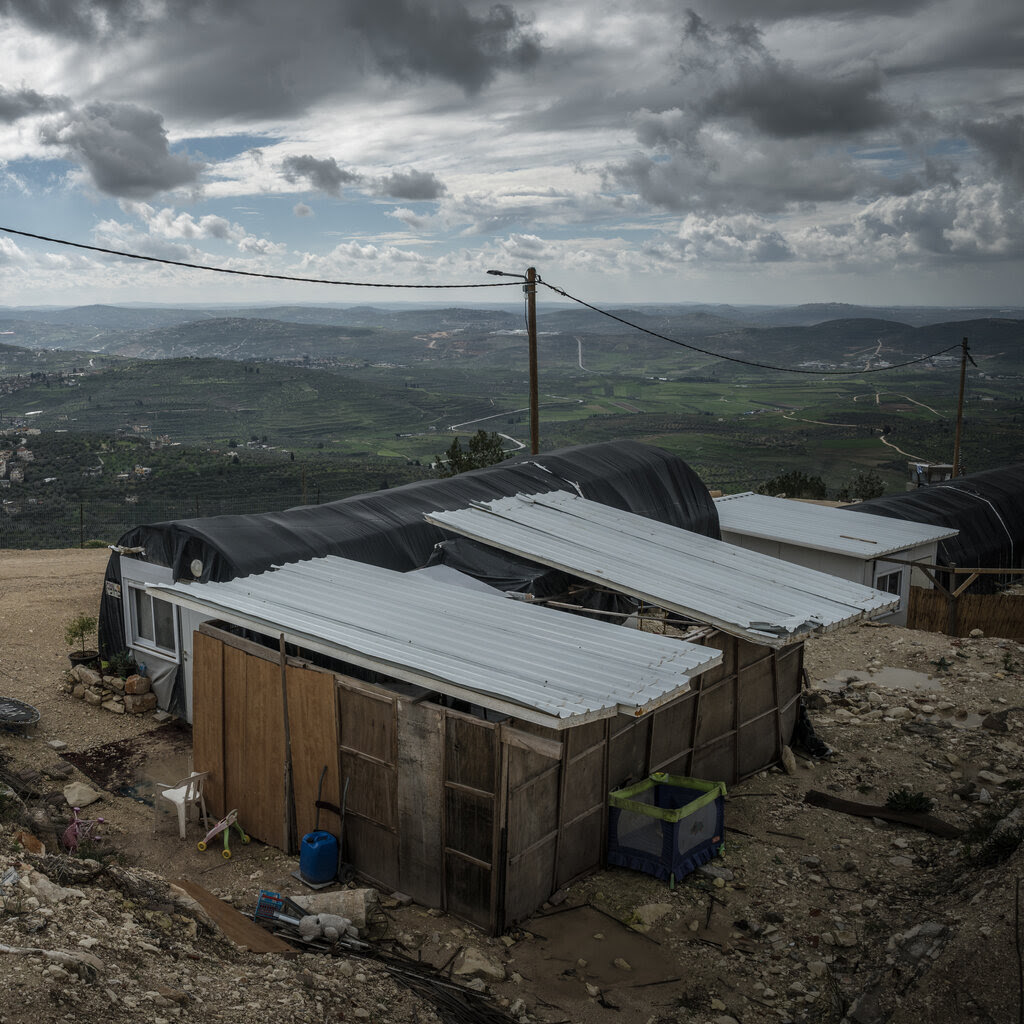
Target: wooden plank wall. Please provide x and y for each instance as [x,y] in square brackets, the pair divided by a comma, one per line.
[999,615]
[238,735]
[485,821]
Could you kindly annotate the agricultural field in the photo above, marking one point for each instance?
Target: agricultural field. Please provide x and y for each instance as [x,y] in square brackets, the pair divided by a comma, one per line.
[315,422]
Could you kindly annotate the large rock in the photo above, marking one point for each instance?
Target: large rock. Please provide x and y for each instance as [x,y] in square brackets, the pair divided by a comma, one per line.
[139,703]
[78,794]
[88,676]
[137,684]
[475,962]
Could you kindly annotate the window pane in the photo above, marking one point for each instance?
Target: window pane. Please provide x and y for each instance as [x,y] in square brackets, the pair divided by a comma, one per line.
[143,615]
[890,582]
[163,616]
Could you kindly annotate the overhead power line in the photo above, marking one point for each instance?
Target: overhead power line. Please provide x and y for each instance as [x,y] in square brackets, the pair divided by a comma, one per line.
[245,273]
[736,359]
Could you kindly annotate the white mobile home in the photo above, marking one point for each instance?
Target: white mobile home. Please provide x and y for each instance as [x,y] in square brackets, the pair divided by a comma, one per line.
[835,541]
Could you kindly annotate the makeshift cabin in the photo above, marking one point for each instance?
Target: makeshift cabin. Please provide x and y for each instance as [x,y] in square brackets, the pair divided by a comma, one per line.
[477,734]
[480,736]
[835,541]
[386,528]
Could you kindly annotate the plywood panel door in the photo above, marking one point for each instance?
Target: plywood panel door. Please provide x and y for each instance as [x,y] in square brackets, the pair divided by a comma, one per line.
[534,786]
[367,734]
[256,777]
[313,719]
[471,819]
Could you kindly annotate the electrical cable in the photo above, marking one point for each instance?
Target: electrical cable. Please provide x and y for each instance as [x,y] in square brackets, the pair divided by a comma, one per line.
[244,273]
[736,359]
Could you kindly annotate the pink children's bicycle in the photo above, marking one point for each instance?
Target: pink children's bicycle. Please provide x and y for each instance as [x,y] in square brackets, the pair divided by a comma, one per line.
[81,830]
[224,826]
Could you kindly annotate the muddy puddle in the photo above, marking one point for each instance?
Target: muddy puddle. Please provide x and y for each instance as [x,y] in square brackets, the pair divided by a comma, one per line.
[132,767]
[884,679]
[580,947]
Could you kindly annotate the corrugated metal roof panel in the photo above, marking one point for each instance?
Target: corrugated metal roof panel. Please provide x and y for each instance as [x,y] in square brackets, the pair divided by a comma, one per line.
[823,529]
[531,661]
[745,593]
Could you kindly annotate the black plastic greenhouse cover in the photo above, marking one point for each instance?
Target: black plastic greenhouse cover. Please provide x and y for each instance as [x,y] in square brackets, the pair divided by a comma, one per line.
[387,527]
[987,508]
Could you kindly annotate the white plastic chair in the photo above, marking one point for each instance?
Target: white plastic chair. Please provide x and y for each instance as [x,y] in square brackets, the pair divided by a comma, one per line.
[185,795]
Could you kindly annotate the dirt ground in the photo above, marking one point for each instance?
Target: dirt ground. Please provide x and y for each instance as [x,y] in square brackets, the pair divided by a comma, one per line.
[811,915]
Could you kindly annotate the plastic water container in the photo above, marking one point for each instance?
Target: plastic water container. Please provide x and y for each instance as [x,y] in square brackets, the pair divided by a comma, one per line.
[318,857]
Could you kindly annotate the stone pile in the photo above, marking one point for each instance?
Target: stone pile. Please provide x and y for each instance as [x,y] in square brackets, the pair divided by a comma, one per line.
[133,696]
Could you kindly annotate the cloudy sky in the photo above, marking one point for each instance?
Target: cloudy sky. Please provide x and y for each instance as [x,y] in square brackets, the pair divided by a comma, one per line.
[733,151]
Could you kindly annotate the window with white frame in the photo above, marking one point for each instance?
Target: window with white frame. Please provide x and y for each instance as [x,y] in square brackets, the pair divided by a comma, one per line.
[890,582]
[153,623]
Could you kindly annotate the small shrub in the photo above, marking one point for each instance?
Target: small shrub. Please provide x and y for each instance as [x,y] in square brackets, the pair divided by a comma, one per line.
[78,630]
[121,664]
[904,800]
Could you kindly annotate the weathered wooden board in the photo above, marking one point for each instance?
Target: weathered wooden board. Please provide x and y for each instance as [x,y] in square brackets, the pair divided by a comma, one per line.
[208,718]
[261,789]
[419,797]
[312,713]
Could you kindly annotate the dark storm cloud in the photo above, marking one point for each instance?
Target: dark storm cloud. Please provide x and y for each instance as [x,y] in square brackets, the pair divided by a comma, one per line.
[412,185]
[787,103]
[445,40]
[18,103]
[75,19]
[1001,141]
[750,131]
[323,175]
[781,10]
[740,78]
[262,58]
[122,147]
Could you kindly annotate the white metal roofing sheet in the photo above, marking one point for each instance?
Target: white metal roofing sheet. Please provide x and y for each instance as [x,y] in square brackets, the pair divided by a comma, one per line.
[822,528]
[533,662]
[742,592]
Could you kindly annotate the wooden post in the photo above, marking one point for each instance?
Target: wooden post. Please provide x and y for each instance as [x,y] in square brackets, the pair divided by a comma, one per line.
[289,790]
[531,327]
[951,624]
[960,408]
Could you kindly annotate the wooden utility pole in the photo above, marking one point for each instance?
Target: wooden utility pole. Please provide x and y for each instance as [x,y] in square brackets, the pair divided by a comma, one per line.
[531,329]
[531,333]
[964,356]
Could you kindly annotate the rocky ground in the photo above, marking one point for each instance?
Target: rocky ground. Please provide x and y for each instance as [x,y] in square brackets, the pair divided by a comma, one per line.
[812,915]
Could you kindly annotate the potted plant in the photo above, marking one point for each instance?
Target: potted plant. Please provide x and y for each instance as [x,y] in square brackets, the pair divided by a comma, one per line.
[76,632]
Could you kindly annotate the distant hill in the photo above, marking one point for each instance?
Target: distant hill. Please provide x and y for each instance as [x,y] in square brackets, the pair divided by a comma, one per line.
[494,338]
